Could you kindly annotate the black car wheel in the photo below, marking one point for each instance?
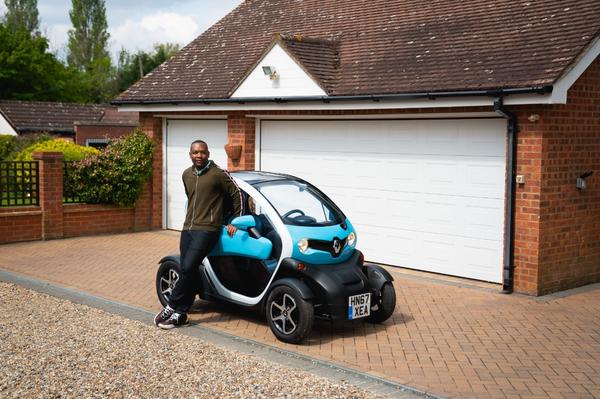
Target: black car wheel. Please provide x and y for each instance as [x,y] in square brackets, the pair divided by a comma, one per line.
[289,315]
[384,304]
[166,277]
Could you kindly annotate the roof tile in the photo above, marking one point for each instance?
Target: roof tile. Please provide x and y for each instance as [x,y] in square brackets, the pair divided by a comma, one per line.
[385,47]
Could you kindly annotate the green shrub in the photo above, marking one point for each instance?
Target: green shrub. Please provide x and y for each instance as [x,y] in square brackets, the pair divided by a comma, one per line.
[70,150]
[7,145]
[118,173]
[10,145]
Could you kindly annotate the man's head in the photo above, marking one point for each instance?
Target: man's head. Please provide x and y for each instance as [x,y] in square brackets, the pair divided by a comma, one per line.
[199,153]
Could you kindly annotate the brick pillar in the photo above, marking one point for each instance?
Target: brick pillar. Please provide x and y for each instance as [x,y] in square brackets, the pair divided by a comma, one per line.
[51,193]
[153,128]
[242,131]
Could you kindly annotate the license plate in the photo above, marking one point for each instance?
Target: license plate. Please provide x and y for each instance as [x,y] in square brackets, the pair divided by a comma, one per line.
[359,306]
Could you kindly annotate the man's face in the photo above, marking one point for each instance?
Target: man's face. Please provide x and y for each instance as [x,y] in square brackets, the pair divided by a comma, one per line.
[199,155]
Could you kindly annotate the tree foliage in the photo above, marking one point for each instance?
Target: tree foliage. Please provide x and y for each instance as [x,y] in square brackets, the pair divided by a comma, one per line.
[132,67]
[29,72]
[10,145]
[87,47]
[22,15]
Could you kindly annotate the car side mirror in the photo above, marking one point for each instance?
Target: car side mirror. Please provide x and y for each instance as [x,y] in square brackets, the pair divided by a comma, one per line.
[244,222]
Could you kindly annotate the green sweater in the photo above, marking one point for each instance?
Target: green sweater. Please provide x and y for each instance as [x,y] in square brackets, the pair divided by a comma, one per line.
[209,191]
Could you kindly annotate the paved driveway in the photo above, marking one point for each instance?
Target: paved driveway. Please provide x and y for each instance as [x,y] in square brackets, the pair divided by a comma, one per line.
[450,337]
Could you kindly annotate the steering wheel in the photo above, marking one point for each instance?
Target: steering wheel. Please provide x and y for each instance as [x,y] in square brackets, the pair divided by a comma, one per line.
[288,213]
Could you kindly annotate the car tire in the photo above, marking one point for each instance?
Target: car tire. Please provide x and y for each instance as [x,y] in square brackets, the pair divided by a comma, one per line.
[385,304]
[289,315]
[166,277]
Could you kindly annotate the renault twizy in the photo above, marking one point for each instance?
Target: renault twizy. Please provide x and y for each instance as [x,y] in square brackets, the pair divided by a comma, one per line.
[293,258]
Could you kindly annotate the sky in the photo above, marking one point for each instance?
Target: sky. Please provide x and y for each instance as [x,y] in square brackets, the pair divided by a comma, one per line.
[136,25]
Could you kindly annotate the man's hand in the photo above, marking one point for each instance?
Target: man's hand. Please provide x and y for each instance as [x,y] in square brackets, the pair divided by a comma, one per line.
[231,229]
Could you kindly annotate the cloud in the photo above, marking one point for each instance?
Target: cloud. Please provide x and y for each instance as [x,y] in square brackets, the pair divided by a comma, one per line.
[58,37]
[160,27]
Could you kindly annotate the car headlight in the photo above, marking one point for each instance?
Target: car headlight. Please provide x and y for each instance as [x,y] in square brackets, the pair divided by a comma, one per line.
[351,239]
[303,245]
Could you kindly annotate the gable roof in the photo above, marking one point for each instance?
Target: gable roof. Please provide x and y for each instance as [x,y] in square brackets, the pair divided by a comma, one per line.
[42,116]
[319,56]
[384,47]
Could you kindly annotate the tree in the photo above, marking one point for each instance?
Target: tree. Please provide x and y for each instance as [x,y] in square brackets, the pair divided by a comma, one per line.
[131,68]
[87,47]
[29,72]
[22,14]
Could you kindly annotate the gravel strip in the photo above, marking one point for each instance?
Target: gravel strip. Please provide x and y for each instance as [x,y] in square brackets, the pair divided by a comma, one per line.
[54,348]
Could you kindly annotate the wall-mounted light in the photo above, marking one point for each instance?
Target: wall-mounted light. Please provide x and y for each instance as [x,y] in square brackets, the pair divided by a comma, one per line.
[270,72]
[533,118]
[581,184]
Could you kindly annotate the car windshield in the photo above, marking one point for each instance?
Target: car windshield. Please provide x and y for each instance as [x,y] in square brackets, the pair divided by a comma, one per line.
[300,204]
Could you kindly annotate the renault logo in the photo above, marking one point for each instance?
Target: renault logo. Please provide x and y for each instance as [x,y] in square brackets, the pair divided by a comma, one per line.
[337,246]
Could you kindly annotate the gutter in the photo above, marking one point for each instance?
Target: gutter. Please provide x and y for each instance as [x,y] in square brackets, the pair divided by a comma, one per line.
[326,99]
[508,269]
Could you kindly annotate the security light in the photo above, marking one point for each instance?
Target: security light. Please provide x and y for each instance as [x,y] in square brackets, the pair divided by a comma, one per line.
[270,72]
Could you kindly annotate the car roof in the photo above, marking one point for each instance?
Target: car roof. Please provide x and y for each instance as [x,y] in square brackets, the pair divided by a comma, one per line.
[254,177]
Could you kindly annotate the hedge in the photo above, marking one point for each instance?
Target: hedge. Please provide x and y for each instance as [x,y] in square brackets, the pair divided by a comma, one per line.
[70,150]
[117,174]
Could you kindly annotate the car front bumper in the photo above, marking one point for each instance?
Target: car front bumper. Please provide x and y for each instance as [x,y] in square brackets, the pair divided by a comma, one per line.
[331,285]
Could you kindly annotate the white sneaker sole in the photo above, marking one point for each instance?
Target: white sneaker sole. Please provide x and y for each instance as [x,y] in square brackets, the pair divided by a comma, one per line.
[171,326]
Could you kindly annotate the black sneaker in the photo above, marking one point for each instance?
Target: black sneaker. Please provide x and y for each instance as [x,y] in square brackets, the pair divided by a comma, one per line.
[163,315]
[176,320]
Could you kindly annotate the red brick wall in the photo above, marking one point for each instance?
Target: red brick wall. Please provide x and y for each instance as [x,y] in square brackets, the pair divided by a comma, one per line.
[84,132]
[569,247]
[527,201]
[153,128]
[53,219]
[84,219]
[51,193]
[241,130]
[20,224]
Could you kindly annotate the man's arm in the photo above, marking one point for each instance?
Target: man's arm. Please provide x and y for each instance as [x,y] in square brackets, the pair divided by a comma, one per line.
[233,191]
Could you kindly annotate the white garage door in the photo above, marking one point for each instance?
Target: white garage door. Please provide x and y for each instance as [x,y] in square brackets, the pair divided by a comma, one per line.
[178,137]
[423,194]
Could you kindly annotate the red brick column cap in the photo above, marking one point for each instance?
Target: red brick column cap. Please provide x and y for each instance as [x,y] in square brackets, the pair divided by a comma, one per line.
[47,155]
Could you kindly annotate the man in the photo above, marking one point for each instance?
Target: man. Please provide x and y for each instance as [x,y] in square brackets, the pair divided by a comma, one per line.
[207,187]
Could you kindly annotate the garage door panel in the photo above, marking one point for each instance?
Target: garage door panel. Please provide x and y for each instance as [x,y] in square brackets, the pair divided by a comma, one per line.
[481,218]
[178,137]
[482,138]
[422,194]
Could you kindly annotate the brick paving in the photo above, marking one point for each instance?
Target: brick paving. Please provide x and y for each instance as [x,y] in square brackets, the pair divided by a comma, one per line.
[449,337]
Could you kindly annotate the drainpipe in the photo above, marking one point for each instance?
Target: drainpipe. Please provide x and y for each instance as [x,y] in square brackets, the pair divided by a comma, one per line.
[507,273]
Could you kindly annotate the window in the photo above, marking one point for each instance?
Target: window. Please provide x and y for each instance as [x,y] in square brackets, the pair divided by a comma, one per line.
[97,143]
[299,204]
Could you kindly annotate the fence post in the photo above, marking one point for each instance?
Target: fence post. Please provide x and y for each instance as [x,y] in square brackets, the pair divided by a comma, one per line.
[51,193]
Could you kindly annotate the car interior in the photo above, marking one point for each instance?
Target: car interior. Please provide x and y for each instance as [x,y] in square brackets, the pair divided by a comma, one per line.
[249,276]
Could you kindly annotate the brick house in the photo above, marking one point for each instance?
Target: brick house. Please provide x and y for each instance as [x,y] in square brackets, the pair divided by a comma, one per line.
[86,124]
[453,135]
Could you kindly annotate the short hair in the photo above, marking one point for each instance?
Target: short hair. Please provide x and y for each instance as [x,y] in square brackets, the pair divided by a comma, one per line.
[198,142]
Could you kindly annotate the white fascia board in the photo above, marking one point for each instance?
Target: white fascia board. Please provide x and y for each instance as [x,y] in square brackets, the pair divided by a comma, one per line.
[578,67]
[318,105]
[292,80]
[191,116]
[433,115]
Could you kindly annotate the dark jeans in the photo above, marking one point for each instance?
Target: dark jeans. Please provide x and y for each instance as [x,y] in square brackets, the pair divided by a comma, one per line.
[194,246]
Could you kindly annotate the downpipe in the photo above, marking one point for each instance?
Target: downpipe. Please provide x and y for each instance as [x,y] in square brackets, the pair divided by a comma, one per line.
[512,130]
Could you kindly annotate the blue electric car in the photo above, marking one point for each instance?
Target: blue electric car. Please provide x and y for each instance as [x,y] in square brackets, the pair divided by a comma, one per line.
[293,257]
